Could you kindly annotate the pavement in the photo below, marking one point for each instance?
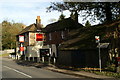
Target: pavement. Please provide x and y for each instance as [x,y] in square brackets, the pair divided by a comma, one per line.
[65,71]
[82,73]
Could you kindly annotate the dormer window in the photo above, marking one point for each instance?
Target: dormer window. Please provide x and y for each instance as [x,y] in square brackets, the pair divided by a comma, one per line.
[50,37]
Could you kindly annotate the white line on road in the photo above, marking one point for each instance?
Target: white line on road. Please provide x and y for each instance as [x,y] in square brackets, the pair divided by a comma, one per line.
[18,71]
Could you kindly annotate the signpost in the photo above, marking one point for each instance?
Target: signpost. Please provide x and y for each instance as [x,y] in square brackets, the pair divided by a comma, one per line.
[21,40]
[103,45]
[99,57]
[97,38]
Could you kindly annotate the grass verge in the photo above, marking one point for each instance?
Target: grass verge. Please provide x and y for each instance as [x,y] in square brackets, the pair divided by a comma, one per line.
[106,72]
[4,55]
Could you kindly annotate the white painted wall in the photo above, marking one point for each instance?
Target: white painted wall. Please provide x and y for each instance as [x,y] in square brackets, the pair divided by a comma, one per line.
[33,51]
[54,50]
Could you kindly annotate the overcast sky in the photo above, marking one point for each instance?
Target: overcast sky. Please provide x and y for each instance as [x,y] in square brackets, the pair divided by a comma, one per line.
[25,11]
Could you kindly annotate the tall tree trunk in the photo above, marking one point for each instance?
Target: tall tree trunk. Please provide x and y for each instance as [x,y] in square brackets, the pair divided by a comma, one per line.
[118,39]
[108,12]
[76,16]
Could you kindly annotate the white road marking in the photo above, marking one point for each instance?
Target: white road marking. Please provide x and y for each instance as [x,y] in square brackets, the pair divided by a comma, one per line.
[18,71]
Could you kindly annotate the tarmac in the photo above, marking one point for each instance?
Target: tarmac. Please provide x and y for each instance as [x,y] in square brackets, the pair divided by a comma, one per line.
[65,71]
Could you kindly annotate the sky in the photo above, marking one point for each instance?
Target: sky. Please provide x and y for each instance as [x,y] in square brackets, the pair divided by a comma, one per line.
[26,11]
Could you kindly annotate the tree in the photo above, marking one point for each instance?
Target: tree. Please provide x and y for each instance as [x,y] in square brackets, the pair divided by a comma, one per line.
[87,24]
[103,11]
[9,32]
[74,8]
[62,16]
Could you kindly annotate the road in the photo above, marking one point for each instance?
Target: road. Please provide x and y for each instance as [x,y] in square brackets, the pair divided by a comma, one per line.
[12,70]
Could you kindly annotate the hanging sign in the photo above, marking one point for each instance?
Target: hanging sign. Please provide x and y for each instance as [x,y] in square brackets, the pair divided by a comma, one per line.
[39,37]
[21,38]
[21,48]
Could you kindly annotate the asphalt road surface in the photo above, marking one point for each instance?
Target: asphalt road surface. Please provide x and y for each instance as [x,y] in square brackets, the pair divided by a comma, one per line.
[12,70]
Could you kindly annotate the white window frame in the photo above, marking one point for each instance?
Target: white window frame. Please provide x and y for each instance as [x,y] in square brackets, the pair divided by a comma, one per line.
[50,37]
[62,34]
[25,37]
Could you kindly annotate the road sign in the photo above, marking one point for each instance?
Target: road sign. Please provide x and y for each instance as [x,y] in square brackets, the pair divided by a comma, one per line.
[103,45]
[97,39]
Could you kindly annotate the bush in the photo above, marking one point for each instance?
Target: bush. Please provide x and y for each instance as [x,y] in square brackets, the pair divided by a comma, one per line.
[111,68]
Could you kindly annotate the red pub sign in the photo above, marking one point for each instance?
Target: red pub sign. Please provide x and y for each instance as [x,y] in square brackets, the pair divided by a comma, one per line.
[39,37]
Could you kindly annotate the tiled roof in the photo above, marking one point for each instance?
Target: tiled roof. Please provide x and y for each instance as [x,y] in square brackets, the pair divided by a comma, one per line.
[84,38]
[31,28]
[67,23]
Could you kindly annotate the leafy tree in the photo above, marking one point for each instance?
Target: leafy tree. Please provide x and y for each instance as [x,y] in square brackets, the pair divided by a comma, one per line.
[103,11]
[9,32]
[72,7]
[62,16]
[87,24]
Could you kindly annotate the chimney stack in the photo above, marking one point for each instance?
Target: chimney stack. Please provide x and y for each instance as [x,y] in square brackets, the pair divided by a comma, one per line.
[38,23]
[38,20]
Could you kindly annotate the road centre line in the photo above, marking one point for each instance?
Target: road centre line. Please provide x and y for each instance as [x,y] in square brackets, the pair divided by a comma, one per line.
[18,71]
